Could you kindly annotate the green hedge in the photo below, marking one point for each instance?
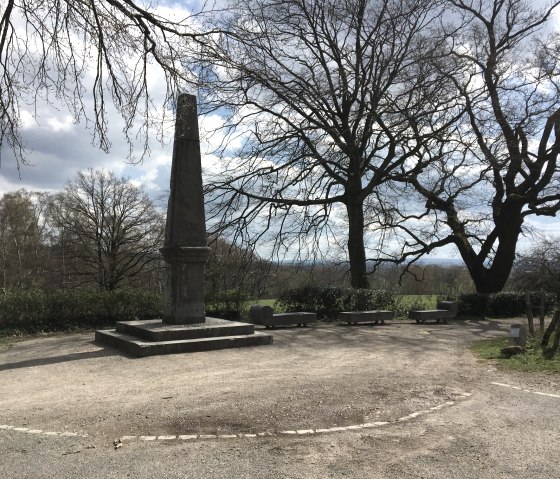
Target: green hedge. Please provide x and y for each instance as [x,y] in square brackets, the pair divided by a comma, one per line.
[506,304]
[63,309]
[230,304]
[328,302]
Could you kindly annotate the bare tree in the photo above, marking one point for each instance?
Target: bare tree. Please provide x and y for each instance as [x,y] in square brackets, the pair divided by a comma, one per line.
[23,250]
[327,100]
[501,166]
[232,268]
[538,268]
[48,49]
[110,229]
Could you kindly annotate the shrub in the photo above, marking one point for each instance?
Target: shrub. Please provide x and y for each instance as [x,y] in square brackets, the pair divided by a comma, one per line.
[62,309]
[502,305]
[328,302]
[228,304]
[473,304]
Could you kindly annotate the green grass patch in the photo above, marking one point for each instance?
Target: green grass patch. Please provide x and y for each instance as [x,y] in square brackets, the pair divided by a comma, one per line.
[413,301]
[264,302]
[531,361]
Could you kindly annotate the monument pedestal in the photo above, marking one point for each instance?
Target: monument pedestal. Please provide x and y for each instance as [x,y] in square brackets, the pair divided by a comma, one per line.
[154,337]
[184,294]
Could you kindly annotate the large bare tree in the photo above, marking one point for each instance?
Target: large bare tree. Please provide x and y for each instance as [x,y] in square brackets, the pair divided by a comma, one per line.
[501,166]
[23,250]
[323,100]
[109,231]
[80,55]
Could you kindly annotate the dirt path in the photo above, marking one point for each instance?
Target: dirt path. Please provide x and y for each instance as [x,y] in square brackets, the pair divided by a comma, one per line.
[420,380]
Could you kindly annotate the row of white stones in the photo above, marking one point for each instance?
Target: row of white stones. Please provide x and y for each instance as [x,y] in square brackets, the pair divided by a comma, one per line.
[526,390]
[41,432]
[295,432]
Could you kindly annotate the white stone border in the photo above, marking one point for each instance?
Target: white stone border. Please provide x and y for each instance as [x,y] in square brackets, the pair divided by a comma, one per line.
[295,432]
[526,390]
[40,432]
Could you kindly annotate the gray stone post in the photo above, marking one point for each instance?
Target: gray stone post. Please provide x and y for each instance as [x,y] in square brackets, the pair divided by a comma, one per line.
[185,248]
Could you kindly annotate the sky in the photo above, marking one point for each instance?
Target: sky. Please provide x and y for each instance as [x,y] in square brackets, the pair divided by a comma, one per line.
[58,148]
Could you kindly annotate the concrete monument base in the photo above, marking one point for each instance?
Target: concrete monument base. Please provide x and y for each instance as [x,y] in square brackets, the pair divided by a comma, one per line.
[154,337]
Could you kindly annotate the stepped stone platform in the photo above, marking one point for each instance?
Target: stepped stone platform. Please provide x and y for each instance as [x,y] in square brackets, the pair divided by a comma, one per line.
[153,337]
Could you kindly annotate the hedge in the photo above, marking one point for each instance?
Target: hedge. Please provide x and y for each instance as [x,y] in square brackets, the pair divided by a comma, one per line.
[328,302]
[230,304]
[506,304]
[62,309]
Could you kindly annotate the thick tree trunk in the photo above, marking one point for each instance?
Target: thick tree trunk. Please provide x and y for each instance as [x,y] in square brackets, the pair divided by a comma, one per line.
[493,278]
[356,248]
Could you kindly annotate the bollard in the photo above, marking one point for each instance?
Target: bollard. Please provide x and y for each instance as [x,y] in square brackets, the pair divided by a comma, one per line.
[518,335]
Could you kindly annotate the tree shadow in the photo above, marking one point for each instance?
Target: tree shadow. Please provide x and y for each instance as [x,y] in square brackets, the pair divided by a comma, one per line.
[62,358]
[393,335]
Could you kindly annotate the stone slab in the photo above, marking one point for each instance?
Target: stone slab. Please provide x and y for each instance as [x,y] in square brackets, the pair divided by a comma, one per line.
[355,317]
[289,319]
[141,348]
[157,330]
[437,315]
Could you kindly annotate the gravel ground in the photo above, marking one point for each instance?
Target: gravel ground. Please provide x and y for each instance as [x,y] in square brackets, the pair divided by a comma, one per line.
[430,409]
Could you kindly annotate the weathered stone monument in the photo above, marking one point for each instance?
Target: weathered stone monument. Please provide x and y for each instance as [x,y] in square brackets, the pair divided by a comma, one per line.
[185,250]
[184,327]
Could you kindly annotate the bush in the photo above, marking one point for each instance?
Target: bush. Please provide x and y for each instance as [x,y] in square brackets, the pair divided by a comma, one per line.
[228,304]
[505,304]
[63,309]
[473,304]
[328,302]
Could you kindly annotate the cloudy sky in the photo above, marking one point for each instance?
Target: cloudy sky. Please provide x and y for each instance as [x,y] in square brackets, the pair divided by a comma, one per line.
[58,148]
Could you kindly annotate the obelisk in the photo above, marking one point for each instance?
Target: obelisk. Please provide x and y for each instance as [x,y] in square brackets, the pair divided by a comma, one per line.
[185,247]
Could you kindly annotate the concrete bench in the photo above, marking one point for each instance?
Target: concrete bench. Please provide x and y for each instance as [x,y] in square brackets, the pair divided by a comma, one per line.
[265,316]
[445,310]
[355,317]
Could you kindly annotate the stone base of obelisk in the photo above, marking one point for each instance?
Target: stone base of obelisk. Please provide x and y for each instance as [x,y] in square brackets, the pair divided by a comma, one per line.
[154,337]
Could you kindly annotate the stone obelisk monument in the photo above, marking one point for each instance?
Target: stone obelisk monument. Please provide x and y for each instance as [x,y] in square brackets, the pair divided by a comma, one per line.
[185,248]
[183,328]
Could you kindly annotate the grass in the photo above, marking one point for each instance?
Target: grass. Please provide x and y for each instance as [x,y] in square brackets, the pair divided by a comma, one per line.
[417,301]
[531,361]
[264,302]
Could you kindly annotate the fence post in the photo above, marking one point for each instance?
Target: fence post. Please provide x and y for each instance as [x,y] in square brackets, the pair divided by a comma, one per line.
[541,311]
[529,310]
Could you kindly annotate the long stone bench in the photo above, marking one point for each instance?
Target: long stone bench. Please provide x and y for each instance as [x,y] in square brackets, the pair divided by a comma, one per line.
[445,310]
[355,317]
[264,315]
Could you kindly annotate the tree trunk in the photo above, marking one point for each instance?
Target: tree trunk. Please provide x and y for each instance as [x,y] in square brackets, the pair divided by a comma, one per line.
[356,248]
[551,327]
[541,311]
[493,279]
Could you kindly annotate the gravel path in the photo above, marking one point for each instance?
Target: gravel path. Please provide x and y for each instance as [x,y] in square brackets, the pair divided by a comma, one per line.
[400,400]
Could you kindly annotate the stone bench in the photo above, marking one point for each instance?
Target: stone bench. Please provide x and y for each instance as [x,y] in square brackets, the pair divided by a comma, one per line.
[355,317]
[445,310]
[265,316]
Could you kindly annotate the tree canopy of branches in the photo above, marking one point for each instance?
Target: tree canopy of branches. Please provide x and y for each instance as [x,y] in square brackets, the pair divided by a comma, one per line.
[501,167]
[327,101]
[110,230]
[66,51]
[539,267]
